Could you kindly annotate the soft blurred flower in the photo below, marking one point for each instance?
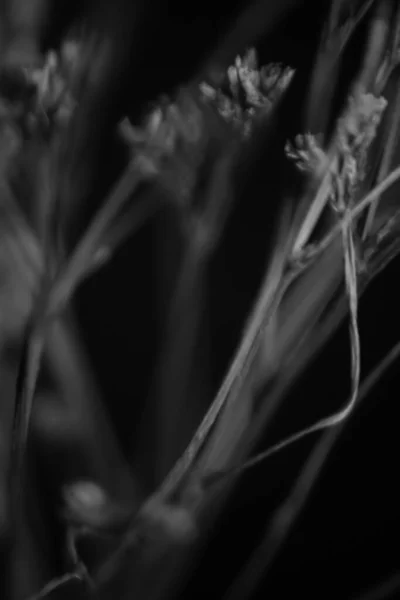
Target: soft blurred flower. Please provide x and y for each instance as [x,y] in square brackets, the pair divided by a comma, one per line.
[87,504]
[307,153]
[168,521]
[170,143]
[357,130]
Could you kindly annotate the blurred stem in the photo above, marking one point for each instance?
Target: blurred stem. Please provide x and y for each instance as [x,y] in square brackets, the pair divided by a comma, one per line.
[72,373]
[390,145]
[379,31]
[179,379]
[82,258]
[333,42]
[392,61]
[28,372]
[384,591]
[63,350]
[176,362]
[121,231]
[56,584]
[30,361]
[265,308]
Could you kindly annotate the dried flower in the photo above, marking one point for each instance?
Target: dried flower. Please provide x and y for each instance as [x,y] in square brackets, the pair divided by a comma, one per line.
[168,522]
[307,153]
[169,127]
[247,92]
[357,130]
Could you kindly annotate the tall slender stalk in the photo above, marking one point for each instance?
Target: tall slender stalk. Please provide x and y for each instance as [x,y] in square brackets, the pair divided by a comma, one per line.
[26,384]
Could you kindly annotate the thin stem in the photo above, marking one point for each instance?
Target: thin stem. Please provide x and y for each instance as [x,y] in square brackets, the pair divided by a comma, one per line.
[202,234]
[28,245]
[71,369]
[26,385]
[82,258]
[318,204]
[379,29]
[119,233]
[62,348]
[177,358]
[54,584]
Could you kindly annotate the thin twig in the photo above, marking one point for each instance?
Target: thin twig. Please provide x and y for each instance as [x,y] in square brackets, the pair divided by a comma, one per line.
[55,584]
[319,202]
